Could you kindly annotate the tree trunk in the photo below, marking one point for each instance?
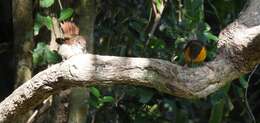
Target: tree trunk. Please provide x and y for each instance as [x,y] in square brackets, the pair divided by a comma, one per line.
[23,43]
[78,97]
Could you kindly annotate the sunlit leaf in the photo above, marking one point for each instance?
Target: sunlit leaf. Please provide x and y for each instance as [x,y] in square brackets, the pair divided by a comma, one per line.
[47,22]
[95,92]
[46,3]
[65,14]
[52,57]
[41,21]
[42,55]
[107,99]
[37,24]
[36,28]
[38,54]
[210,36]
[159,5]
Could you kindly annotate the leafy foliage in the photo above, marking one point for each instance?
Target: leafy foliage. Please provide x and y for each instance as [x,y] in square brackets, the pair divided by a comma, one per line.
[65,14]
[46,3]
[41,21]
[42,55]
[123,27]
[96,100]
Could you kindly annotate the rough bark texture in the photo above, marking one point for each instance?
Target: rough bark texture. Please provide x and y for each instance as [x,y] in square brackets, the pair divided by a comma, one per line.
[87,14]
[77,109]
[87,69]
[77,105]
[23,35]
[23,44]
[238,53]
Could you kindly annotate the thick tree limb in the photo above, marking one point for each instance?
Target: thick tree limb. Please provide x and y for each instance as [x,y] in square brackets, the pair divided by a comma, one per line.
[86,70]
[239,52]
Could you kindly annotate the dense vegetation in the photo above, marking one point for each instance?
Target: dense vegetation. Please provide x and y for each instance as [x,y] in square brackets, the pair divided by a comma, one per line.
[123,28]
[154,29]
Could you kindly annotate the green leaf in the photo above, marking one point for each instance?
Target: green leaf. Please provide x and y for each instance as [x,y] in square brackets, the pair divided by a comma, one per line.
[100,105]
[207,27]
[42,55]
[41,21]
[52,57]
[38,54]
[65,14]
[93,101]
[47,22]
[217,112]
[210,36]
[46,3]
[243,81]
[238,91]
[156,43]
[159,5]
[152,109]
[95,92]
[107,99]
[37,24]
[36,28]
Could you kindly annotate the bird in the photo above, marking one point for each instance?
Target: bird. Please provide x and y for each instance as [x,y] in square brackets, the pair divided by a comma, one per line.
[195,52]
[73,43]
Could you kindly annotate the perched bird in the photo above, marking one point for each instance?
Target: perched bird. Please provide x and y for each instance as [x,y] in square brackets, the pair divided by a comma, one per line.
[73,43]
[195,52]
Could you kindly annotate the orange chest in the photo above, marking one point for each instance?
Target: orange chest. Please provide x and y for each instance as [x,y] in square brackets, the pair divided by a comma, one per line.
[199,57]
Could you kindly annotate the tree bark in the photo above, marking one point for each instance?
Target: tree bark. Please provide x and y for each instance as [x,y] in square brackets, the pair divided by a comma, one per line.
[78,107]
[23,43]
[87,13]
[23,39]
[239,47]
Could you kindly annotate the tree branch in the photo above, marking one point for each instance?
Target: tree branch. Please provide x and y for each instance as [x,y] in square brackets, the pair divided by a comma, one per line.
[87,69]
[239,52]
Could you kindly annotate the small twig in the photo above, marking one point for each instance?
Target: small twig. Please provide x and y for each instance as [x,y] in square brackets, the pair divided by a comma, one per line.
[93,118]
[157,19]
[33,116]
[45,105]
[149,20]
[60,4]
[56,33]
[179,11]
[249,110]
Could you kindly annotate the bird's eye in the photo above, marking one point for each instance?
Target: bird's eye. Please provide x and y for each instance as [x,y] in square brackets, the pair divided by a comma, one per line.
[60,40]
